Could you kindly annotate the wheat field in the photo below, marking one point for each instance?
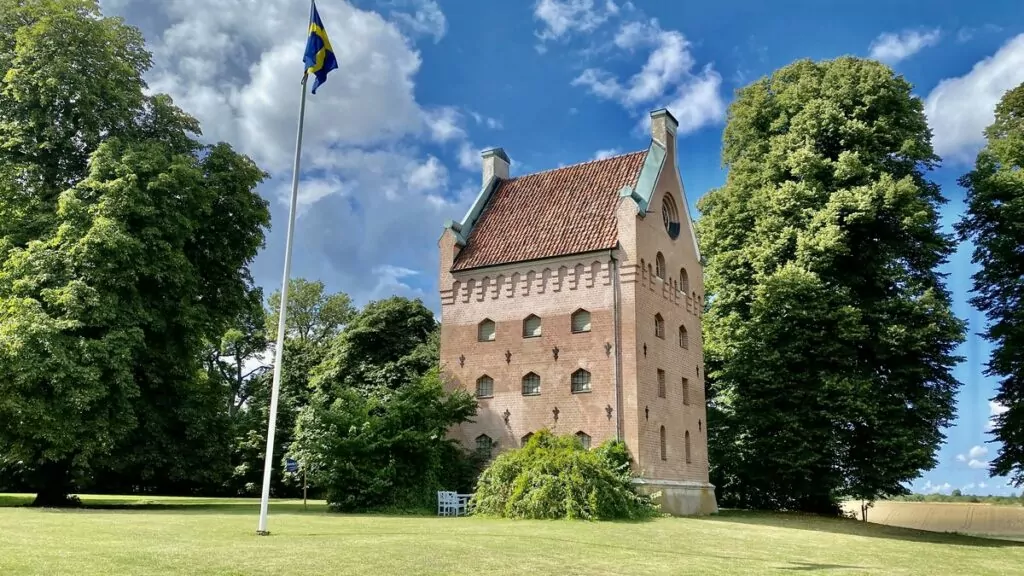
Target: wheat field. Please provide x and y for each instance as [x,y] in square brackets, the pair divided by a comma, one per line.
[964,518]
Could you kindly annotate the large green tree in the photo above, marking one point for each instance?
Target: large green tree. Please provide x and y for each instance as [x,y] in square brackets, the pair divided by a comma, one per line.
[829,335]
[315,318]
[388,343]
[372,451]
[124,246]
[994,222]
[373,433]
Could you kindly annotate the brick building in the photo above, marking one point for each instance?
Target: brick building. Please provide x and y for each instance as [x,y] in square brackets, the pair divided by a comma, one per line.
[571,300]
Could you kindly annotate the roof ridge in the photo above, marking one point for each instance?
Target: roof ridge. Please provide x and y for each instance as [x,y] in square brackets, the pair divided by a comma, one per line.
[578,164]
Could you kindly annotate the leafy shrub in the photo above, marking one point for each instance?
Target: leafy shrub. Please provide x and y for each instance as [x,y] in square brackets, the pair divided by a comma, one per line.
[555,477]
[385,452]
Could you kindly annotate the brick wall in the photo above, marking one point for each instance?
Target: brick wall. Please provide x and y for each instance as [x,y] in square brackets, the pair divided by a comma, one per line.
[552,290]
[646,295]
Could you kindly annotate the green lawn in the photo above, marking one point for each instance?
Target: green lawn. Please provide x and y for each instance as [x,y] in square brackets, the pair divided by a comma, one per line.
[195,536]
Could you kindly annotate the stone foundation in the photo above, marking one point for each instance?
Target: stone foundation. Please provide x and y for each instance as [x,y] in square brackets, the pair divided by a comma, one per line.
[680,498]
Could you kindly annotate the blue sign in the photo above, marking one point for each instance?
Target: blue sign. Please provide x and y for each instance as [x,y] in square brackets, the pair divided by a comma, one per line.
[291,465]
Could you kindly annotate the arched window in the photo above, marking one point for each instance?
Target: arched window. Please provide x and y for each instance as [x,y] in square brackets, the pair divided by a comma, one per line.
[684,281]
[580,321]
[484,386]
[584,439]
[531,326]
[526,438]
[580,381]
[686,391]
[686,445]
[659,326]
[531,384]
[484,444]
[684,337]
[664,448]
[485,330]
[659,266]
[661,383]
[670,216]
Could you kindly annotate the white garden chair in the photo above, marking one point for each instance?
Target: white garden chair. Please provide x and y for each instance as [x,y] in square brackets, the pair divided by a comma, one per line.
[452,503]
[444,504]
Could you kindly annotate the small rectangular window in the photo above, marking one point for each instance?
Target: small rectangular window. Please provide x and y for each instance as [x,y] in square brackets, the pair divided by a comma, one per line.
[485,332]
[661,383]
[686,391]
[484,387]
[584,439]
[580,381]
[531,327]
[581,321]
[531,384]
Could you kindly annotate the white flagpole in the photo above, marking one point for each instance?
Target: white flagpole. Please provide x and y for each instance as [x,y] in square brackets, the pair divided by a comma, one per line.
[268,463]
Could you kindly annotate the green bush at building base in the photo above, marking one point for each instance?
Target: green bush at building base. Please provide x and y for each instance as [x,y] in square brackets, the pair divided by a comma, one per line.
[556,477]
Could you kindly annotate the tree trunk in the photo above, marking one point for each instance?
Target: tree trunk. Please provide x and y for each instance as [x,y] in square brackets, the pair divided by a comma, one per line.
[53,482]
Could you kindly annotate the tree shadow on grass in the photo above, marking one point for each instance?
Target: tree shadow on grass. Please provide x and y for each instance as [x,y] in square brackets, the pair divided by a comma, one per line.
[815,567]
[158,504]
[850,527]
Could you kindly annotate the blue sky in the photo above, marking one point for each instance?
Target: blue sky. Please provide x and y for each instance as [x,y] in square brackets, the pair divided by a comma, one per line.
[393,138]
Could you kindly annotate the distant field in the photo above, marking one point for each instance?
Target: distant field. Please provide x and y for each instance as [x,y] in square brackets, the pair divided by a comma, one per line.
[207,537]
[965,518]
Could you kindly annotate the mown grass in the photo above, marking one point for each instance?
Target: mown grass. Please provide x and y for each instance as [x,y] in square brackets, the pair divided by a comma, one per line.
[203,536]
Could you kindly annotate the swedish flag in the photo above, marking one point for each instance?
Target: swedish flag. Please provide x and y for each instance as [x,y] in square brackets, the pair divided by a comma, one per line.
[319,58]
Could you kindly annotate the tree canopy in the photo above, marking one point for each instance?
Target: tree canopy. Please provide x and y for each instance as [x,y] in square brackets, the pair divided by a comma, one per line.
[124,246]
[829,336]
[994,222]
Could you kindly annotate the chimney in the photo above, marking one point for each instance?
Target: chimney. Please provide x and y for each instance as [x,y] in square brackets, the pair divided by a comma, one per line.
[496,163]
[663,129]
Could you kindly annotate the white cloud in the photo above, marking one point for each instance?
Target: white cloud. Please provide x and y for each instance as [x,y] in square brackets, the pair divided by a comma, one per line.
[312,191]
[253,102]
[666,79]
[973,457]
[561,17]
[236,66]
[982,485]
[936,488]
[966,33]
[977,451]
[635,34]
[443,124]
[892,47]
[602,154]
[492,123]
[392,280]
[959,109]
[469,157]
[994,409]
[430,175]
[425,19]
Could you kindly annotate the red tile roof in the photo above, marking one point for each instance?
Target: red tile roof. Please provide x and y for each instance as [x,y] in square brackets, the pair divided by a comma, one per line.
[565,211]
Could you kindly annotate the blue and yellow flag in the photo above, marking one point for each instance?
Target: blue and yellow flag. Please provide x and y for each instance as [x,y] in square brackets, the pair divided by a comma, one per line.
[319,56]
